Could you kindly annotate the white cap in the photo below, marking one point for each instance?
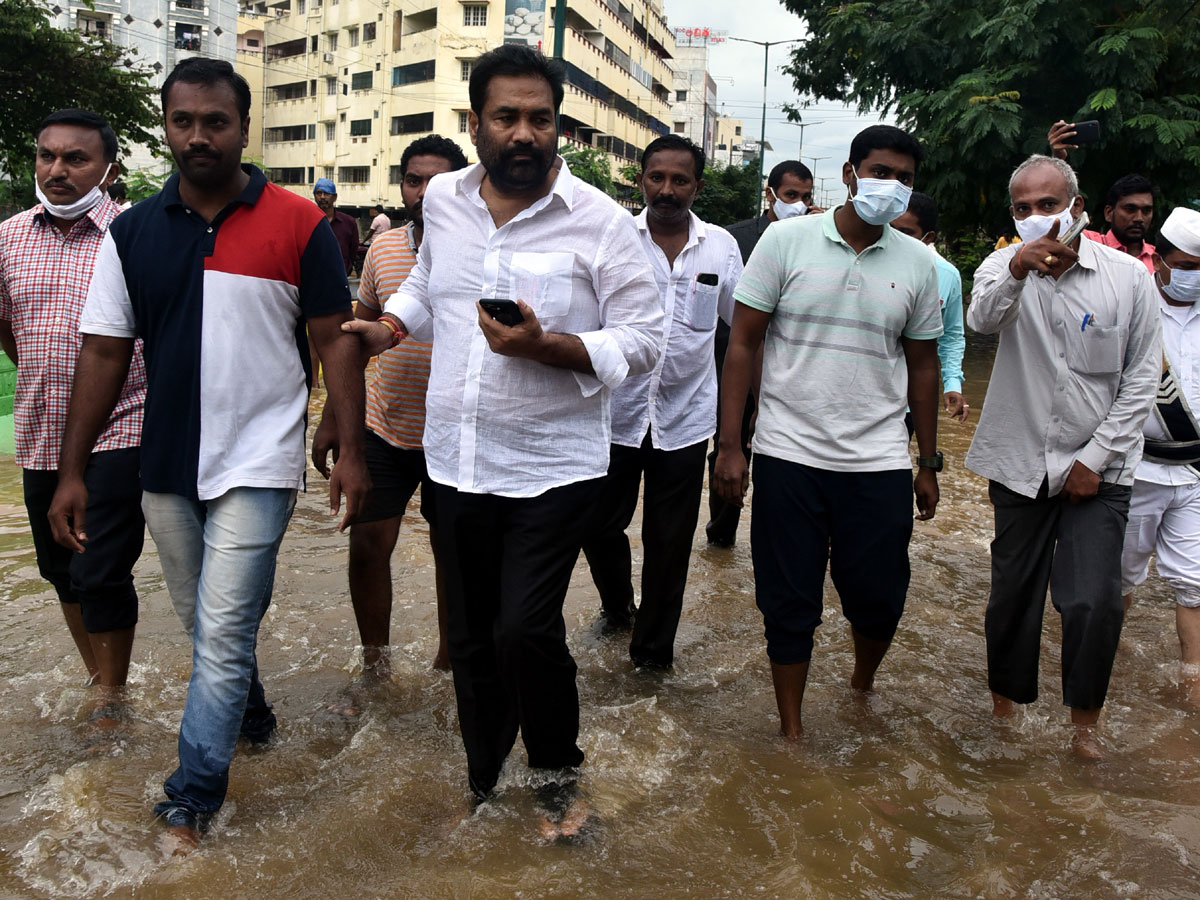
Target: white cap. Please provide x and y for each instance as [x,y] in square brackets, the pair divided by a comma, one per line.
[1182,229]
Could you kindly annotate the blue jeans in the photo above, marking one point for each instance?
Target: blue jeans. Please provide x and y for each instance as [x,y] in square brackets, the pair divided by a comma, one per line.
[218,557]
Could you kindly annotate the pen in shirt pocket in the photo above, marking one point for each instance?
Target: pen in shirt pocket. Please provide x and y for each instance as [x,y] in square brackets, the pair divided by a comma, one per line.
[1088,319]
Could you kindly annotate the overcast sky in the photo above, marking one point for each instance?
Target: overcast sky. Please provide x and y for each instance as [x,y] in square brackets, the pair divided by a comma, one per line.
[737,69]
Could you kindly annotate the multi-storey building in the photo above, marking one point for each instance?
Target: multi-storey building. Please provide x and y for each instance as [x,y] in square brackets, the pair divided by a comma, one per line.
[694,101]
[727,145]
[250,54]
[158,34]
[350,83]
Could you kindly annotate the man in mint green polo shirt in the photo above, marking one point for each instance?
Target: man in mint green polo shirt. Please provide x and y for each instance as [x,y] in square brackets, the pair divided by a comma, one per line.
[855,316]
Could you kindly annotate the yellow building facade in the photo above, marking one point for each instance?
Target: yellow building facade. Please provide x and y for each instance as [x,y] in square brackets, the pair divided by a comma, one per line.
[348,84]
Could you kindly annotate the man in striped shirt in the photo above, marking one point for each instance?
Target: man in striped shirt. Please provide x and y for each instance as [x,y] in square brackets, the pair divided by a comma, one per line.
[395,424]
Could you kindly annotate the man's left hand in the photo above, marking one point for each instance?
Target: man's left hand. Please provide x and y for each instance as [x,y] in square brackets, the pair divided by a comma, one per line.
[1082,484]
[925,489]
[349,476]
[956,406]
[521,340]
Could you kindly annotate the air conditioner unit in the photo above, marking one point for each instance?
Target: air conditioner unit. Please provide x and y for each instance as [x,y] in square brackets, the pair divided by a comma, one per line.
[328,57]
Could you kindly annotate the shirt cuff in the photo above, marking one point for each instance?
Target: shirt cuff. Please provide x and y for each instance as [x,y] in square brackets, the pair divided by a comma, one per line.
[951,384]
[608,362]
[416,318]
[1095,457]
[105,330]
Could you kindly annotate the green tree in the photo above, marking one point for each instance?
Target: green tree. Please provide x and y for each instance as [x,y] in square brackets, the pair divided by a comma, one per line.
[43,68]
[980,82]
[730,193]
[589,164]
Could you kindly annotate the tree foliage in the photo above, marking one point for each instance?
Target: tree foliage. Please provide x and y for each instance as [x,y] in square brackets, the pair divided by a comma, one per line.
[43,68]
[980,82]
[589,164]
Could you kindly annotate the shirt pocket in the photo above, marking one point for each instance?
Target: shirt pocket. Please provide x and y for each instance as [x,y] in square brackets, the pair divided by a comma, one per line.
[1095,350]
[543,280]
[702,316]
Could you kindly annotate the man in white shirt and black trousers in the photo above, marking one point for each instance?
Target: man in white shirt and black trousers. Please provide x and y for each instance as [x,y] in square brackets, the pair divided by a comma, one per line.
[662,420]
[1059,439]
[534,289]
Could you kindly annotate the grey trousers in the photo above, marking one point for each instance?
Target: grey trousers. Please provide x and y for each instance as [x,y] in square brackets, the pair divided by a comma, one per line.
[1075,550]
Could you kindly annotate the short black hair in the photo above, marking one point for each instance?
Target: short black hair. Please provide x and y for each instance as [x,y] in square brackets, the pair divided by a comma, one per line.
[788,167]
[433,145]
[676,142]
[884,137]
[513,60]
[924,208]
[1129,184]
[1163,247]
[116,191]
[199,70]
[86,119]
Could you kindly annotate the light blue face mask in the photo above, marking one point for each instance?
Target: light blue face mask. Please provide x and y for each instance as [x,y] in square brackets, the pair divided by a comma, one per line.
[78,208]
[879,200]
[1184,286]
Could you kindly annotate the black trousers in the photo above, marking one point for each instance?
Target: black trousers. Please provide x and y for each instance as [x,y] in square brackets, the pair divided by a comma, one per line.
[670,509]
[1075,550]
[508,563]
[723,517]
[100,580]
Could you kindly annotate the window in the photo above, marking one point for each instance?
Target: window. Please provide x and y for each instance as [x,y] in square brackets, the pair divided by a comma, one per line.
[187,37]
[286,133]
[362,81]
[353,32]
[737,130]
[331,42]
[680,127]
[327,172]
[286,49]
[359,127]
[293,91]
[251,42]
[314,43]
[189,4]
[474,14]
[464,123]
[96,27]
[413,72]
[329,131]
[330,87]
[312,132]
[395,175]
[300,7]
[354,174]
[292,175]
[413,124]
[680,96]
[369,31]
[466,67]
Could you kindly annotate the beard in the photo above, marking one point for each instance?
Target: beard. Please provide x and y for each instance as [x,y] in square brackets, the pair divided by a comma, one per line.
[206,169]
[508,172]
[1130,235]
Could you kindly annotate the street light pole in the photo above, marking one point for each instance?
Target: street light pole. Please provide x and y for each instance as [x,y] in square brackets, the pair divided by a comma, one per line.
[814,163]
[762,140]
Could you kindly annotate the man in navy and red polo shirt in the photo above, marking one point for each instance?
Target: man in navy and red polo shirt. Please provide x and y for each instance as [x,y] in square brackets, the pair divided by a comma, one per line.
[219,274]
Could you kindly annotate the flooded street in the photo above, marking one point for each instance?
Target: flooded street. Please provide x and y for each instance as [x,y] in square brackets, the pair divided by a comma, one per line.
[915,793]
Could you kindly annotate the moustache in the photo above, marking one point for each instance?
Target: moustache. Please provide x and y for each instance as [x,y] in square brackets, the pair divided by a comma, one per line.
[667,201]
[200,154]
[58,183]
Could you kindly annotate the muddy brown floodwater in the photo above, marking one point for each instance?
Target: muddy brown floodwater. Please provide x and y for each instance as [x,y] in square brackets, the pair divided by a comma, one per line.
[917,793]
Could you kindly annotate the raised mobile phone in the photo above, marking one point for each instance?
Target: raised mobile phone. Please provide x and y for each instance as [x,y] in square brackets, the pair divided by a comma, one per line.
[1075,230]
[1086,132]
[506,312]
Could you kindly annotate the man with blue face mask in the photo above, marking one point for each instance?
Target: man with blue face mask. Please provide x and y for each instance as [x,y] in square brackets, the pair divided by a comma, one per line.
[1164,514]
[1075,373]
[849,301]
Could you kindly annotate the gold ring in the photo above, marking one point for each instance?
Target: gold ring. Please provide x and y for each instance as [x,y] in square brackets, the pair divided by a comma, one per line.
[1049,260]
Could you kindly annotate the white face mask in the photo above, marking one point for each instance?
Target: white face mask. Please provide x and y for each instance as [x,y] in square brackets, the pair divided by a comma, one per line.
[79,207]
[879,200]
[787,210]
[1184,286]
[1033,227]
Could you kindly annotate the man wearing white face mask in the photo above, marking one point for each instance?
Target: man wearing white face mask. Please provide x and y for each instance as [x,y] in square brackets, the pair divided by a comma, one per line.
[47,254]
[848,301]
[1164,514]
[1074,377]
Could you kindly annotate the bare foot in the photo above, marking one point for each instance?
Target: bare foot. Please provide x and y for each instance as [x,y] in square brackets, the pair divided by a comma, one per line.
[377,664]
[792,733]
[1086,743]
[568,826]
[348,703]
[1001,706]
[184,838]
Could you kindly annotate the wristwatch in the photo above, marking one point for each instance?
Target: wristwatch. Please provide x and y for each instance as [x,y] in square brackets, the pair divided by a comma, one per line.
[935,462]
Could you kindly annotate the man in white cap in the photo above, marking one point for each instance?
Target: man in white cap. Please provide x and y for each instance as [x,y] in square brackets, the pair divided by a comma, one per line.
[1164,513]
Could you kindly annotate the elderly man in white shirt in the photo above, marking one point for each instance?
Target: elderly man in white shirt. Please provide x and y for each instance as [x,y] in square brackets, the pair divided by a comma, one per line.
[1164,514]
[1074,377]
[662,420]
[517,418]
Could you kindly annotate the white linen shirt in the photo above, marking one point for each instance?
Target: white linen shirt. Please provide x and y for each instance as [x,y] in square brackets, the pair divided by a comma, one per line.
[1061,390]
[514,427]
[1181,343]
[677,401]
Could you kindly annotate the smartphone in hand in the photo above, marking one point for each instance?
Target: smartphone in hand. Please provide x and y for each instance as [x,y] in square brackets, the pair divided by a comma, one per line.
[1087,132]
[506,312]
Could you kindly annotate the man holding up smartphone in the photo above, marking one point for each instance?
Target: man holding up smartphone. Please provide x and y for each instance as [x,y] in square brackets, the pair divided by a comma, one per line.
[1128,205]
[662,420]
[517,425]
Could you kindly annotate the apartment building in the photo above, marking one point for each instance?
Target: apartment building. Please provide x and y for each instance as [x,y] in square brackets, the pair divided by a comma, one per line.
[694,100]
[727,145]
[250,54]
[158,34]
[348,84]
